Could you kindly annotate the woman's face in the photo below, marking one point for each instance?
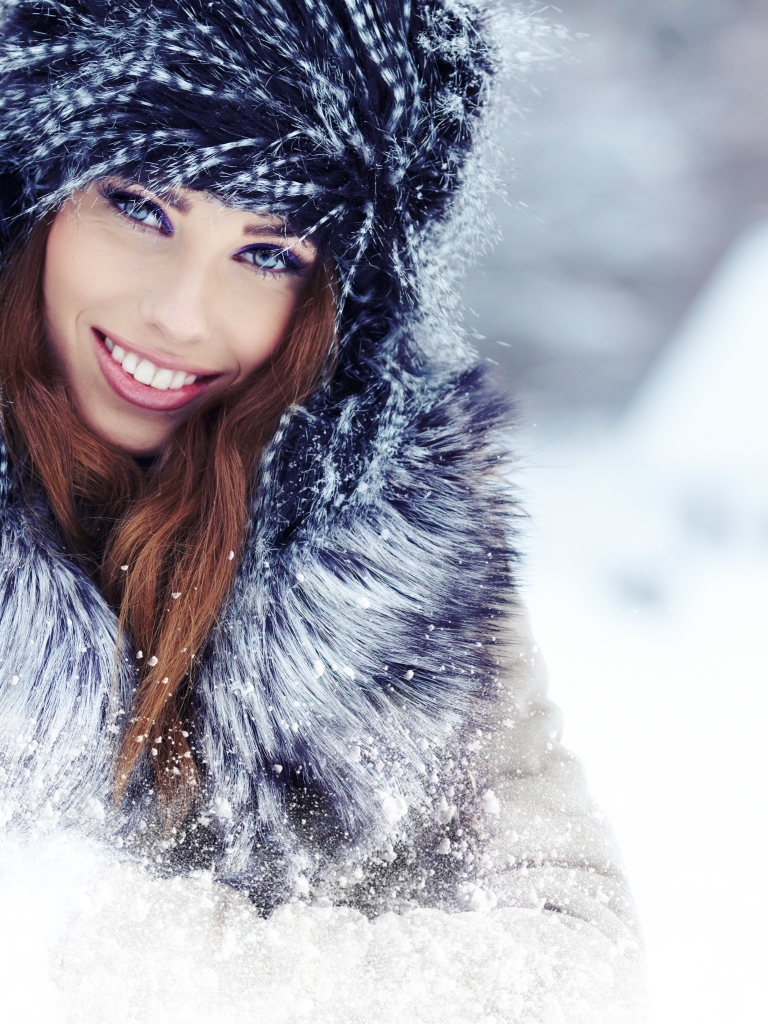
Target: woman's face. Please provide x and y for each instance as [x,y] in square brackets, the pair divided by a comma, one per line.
[154,304]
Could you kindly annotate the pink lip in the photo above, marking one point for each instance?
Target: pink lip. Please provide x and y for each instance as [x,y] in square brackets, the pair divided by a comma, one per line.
[143,395]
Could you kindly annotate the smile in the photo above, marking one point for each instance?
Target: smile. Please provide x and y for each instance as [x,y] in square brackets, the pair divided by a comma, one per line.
[145,371]
[146,382]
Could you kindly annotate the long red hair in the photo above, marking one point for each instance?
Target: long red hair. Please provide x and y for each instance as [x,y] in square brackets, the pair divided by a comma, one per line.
[174,527]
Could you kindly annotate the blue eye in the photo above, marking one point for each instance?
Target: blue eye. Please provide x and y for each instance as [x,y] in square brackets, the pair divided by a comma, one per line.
[140,210]
[271,259]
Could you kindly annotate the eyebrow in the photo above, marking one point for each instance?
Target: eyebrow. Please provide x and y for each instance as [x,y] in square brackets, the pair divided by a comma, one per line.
[175,201]
[273,230]
[169,197]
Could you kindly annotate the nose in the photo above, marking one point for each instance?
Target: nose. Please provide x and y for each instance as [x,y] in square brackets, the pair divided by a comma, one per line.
[175,301]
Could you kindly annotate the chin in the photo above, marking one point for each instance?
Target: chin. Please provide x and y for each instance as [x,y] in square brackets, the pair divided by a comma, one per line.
[139,439]
[137,447]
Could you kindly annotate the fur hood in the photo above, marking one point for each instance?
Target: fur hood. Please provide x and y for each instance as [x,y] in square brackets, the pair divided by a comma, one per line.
[357,649]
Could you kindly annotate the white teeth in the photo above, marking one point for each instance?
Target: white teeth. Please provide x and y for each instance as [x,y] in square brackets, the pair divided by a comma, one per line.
[162,379]
[130,362]
[145,372]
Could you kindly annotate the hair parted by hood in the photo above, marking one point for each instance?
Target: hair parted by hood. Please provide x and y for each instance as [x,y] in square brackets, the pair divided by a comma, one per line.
[352,119]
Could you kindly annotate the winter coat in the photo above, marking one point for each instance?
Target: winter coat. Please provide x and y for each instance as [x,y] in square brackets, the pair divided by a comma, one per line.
[369,727]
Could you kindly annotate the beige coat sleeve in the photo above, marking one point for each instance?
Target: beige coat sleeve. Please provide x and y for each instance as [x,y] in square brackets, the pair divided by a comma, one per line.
[552,847]
[551,850]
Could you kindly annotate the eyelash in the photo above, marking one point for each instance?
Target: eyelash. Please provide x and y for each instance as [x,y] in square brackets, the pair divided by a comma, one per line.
[129,203]
[291,264]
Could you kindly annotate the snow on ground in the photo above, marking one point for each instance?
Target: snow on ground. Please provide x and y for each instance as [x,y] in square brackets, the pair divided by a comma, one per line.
[89,941]
[648,582]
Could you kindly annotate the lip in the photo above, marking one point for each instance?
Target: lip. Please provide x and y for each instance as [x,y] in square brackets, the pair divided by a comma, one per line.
[142,395]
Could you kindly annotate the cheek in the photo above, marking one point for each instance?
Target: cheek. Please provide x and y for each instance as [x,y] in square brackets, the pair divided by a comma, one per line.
[71,280]
[57,294]
[257,332]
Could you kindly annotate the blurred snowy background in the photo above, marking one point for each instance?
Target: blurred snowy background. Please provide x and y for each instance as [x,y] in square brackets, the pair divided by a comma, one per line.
[627,308]
[644,157]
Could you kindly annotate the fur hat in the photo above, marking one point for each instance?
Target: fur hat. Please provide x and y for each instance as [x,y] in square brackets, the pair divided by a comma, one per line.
[351,118]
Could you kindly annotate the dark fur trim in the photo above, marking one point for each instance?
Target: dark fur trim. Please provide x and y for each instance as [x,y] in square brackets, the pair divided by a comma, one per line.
[357,650]
[359,642]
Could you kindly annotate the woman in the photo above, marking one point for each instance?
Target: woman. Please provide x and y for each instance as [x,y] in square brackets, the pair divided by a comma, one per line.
[257,616]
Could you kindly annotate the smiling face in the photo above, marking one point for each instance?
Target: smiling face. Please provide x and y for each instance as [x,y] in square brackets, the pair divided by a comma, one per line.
[155,304]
